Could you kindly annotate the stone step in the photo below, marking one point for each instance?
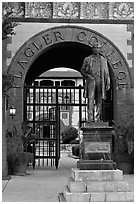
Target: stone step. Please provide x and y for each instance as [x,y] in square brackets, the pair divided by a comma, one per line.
[76,186]
[96,175]
[98,196]
[98,186]
[107,186]
[120,197]
[75,197]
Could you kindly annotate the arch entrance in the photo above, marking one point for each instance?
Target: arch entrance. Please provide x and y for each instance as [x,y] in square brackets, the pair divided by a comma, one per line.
[64,46]
[46,41]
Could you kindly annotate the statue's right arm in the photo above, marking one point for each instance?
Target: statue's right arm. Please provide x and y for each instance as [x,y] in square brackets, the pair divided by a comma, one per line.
[83,69]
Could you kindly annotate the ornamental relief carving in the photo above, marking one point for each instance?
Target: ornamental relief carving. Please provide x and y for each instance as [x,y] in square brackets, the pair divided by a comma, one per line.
[38,9]
[70,10]
[66,10]
[90,10]
[123,10]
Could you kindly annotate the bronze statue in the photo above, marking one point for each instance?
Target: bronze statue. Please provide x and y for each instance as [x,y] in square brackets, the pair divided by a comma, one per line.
[97,81]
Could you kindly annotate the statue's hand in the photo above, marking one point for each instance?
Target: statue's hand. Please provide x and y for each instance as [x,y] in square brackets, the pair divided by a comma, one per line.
[107,88]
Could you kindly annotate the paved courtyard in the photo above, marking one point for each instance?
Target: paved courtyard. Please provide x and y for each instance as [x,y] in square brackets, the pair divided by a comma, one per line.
[43,185]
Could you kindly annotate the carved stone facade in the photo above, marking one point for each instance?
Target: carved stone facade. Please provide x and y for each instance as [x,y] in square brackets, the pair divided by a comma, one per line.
[121,10]
[38,9]
[71,10]
[66,10]
[97,10]
[116,39]
[17,9]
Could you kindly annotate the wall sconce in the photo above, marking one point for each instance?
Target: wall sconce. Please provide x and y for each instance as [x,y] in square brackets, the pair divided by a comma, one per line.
[12,111]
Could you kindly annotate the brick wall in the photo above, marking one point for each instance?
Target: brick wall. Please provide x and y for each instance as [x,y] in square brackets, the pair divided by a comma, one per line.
[4,140]
[130,55]
[5,55]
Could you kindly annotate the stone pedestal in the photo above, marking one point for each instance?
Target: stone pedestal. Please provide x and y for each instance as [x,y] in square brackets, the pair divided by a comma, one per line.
[96,146]
[96,179]
[96,186]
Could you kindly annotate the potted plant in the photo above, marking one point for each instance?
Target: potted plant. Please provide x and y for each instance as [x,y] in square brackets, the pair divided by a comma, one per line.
[124,146]
[18,160]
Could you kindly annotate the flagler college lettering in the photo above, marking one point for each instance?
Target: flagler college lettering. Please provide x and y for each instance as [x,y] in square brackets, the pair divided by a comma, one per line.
[45,39]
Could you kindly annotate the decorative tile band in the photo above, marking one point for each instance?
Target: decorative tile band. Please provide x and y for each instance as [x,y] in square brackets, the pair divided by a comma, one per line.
[130,42]
[70,10]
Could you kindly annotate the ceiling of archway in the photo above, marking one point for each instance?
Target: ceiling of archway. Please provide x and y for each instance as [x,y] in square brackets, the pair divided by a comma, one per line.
[68,54]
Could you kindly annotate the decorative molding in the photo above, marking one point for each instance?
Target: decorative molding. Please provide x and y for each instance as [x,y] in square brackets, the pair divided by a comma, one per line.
[71,10]
[66,10]
[130,56]
[121,10]
[38,9]
[15,9]
[94,10]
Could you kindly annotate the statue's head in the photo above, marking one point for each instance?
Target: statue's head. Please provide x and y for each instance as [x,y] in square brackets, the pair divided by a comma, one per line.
[96,48]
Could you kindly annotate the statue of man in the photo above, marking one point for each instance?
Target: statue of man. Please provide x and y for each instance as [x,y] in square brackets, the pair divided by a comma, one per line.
[97,81]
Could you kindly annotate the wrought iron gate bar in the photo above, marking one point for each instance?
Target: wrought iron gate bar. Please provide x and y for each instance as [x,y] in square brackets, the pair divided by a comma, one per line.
[45,157]
[53,87]
[54,104]
[47,139]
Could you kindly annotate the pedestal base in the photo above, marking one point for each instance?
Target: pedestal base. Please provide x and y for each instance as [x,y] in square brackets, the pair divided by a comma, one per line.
[96,124]
[96,165]
[96,186]
[96,146]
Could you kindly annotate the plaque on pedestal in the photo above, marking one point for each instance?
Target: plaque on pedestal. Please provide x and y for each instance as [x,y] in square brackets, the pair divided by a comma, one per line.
[96,146]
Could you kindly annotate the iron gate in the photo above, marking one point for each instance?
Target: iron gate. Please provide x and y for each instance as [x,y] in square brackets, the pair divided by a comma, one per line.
[47,143]
[42,110]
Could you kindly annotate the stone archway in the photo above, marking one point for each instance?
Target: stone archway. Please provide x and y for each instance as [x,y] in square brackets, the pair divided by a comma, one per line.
[42,41]
[59,36]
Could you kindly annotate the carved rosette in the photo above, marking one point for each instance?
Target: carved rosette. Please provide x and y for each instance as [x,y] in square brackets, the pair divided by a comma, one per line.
[66,10]
[121,10]
[16,9]
[38,9]
[94,10]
